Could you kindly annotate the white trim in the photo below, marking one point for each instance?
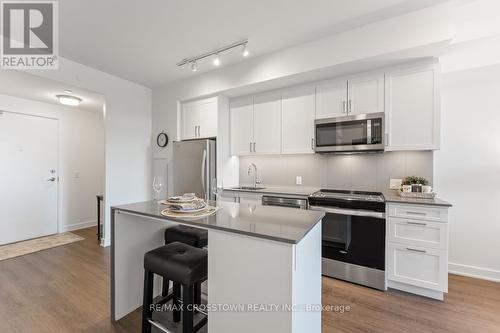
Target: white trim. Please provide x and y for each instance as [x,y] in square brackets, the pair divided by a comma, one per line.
[76,226]
[105,242]
[474,272]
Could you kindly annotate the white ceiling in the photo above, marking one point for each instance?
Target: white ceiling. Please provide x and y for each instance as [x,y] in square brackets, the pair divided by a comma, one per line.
[142,40]
[24,85]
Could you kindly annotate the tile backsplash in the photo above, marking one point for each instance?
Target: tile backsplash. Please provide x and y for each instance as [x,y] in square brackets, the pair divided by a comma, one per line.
[369,172]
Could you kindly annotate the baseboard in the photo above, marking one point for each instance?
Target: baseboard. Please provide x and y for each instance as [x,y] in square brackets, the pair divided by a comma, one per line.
[474,272]
[76,226]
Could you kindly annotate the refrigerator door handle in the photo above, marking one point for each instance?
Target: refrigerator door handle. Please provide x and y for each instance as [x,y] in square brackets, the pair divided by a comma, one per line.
[203,166]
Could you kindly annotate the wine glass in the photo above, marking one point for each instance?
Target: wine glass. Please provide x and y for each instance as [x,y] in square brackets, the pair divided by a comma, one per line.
[157,186]
[215,188]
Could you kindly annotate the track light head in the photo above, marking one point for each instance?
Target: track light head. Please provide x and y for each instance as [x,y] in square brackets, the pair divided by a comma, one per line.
[245,53]
[216,60]
[194,66]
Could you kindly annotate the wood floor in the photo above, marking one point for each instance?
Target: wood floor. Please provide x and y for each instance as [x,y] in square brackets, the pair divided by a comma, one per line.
[66,289]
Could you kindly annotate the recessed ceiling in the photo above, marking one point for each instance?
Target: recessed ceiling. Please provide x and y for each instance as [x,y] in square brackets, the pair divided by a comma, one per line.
[142,40]
[24,85]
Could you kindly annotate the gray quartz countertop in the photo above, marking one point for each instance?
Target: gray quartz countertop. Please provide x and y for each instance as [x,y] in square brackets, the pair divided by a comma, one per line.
[287,225]
[392,196]
[279,190]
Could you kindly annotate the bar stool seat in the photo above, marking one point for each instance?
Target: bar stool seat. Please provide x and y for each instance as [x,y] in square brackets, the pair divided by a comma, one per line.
[179,262]
[186,266]
[196,237]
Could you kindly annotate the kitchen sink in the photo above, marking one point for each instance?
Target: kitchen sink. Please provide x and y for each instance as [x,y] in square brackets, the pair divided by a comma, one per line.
[251,188]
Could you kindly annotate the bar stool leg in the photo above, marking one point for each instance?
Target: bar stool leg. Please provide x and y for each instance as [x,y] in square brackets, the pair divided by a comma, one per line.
[187,310]
[147,301]
[176,303]
[165,287]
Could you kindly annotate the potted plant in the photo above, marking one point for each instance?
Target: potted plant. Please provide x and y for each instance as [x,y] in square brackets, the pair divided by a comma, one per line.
[415,182]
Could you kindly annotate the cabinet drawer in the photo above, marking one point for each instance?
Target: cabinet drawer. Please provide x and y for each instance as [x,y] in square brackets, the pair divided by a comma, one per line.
[418,266]
[417,232]
[419,212]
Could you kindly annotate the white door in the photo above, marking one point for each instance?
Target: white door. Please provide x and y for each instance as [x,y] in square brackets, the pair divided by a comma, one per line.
[241,113]
[298,106]
[28,177]
[331,99]
[208,118]
[190,121]
[366,95]
[267,124]
[412,109]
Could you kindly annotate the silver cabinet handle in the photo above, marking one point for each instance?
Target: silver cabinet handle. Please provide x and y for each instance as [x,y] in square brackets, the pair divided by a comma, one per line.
[254,147]
[416,223]
[250,146]
[51,179]
[350,106]
[199,131]
[343,106]
[415,250]
[386,139]
[312,143]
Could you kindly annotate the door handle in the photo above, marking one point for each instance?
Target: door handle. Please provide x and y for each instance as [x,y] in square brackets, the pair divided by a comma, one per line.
[203,166]
[343,106]
[51,179]
[415,250]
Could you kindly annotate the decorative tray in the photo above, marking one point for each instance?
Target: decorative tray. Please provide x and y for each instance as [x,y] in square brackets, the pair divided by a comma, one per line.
[417,195]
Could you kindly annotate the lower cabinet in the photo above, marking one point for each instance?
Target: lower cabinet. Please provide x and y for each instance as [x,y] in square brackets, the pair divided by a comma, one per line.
[240,197]
[417,249]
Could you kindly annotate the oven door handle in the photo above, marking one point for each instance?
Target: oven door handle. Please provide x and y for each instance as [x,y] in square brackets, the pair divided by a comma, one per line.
[352,212]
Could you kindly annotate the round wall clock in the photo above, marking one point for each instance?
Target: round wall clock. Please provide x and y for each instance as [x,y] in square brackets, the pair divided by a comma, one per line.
[162,139]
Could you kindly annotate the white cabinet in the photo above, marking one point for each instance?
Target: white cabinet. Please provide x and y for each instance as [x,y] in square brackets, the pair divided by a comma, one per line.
[199,119]
[412,108]
[227,196]
[298,110]
[256,125]
[365,95]
[249,198]
[418,266]
[267,124]
[417,249]
[241,114]
[331,99]
[357,95]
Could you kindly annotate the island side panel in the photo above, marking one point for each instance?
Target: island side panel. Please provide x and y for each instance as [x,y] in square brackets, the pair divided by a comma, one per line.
[307,282]
[133,236]
[248,270]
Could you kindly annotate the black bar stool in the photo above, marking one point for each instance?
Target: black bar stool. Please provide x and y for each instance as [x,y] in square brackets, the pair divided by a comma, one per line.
[185,265]
[191,236]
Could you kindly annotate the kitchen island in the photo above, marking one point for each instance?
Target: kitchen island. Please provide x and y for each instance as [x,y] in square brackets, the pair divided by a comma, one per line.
[264,260]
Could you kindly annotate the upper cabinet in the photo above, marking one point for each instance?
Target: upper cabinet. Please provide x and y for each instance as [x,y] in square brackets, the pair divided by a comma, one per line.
[412,108]
[365,94]
[199,119]
[256,125]
[241,115]
[267,124]
[358,95]
[331,99]
[298,109]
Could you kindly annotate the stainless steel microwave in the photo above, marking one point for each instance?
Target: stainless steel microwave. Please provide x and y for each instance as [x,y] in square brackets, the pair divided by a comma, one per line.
[355,133]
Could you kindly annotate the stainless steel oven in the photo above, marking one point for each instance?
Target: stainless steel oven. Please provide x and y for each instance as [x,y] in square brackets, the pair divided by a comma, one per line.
[353,235]
[355,133]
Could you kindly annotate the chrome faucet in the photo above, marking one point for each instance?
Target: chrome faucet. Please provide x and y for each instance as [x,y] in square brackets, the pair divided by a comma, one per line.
[249,172]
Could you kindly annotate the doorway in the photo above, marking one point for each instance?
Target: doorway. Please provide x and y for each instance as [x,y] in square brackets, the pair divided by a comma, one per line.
[28,176]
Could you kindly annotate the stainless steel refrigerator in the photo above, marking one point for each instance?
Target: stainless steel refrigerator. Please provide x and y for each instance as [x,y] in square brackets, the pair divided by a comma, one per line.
[194,167]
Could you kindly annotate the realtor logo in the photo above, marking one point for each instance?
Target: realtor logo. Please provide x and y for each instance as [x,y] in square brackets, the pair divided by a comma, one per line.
[29,35]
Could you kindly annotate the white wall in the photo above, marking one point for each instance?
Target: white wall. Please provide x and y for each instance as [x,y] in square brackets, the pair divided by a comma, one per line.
[81,149]
[127,122]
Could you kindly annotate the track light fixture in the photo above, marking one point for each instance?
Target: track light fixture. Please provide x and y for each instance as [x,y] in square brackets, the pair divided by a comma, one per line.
[194,66]
[216,61]
[193,60]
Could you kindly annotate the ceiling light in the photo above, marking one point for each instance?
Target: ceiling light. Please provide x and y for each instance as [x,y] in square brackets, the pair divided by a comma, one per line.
[67,91]
[69,100]
[216,60]
[194,66]
[245,51]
